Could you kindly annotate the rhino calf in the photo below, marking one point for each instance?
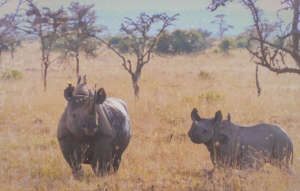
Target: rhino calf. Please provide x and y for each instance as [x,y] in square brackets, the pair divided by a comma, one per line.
[231,145]
[93,130]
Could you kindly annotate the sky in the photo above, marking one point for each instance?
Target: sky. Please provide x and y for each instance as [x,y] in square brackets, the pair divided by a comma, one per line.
[193,13]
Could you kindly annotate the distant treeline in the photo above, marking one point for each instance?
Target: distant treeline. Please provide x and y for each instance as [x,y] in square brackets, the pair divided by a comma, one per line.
[182,42]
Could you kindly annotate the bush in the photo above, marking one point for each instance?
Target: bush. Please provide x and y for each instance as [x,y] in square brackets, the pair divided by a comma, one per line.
[121,43]
[204,75]
[210,96]
[12,75]
[181,41]
[226,44]
[164,44]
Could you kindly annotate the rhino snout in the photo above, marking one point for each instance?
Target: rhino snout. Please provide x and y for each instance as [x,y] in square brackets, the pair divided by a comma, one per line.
[90,132]
[193,136]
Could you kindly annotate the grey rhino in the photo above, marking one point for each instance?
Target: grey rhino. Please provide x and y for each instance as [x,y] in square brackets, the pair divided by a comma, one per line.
[93,130]
[231,145]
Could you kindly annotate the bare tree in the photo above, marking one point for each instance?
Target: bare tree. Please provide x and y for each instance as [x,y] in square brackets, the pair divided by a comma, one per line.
[269,52]
[223,26]
[3,2]
[8,30]
[76,33]
[44,23]
[143,39]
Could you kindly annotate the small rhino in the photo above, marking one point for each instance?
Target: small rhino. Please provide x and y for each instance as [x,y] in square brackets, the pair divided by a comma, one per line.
[93,129]
[234,146]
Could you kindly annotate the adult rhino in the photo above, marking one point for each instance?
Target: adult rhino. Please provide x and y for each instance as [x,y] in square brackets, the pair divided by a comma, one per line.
[231,145]
[92,129]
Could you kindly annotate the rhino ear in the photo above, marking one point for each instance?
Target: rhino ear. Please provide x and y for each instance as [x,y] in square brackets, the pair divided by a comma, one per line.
[68,92]
[100,96]
[194,115]
[218,117]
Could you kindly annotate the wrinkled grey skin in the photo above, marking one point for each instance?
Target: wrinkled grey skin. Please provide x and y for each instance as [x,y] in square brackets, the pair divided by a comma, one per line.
[231,145]
[93,130]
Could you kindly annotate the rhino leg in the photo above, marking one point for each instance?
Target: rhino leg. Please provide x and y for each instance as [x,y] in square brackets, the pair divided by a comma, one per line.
[117,156]
[102,157]
[73,155]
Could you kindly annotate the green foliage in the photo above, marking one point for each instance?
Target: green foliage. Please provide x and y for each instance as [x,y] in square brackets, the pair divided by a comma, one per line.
[12,75]
[226,44]
[204,75]
[240,43]
[182,41]
[164,44]
[122,44]
[177,42]
[210,96]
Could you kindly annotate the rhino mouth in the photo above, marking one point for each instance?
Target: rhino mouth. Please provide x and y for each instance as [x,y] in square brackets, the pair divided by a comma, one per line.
[195,140]
[90,132]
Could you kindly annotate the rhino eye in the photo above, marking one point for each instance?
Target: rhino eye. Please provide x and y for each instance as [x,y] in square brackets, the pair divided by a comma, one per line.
[74,115]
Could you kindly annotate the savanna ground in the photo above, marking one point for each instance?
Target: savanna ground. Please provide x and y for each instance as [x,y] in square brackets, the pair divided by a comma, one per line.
[160,156]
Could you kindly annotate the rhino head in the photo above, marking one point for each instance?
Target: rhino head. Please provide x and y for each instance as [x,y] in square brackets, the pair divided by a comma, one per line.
[82,116]
[203,129]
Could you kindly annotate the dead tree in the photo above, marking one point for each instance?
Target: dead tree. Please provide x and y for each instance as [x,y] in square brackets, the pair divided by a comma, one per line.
[44,23]
[269,52]
[8,30]
[223,26]
[76,32]
[143,38]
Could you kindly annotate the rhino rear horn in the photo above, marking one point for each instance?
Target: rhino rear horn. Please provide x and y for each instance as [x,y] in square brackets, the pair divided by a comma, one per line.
[229,117]
[68,92]
[194,115]
[78,79]
[100,96]
[218,117]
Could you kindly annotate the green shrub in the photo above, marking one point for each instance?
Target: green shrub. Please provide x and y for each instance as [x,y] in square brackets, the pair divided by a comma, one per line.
[121,43]
[241,44]
[182,41]
[204,75]
[210,96]
[164,44]
[226,44]
[12,75]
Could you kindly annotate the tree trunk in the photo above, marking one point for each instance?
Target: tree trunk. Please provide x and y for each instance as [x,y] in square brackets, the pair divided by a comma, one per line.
[45,76]
[136,88]
[12,53]
[1,59]
[135,79]
[77,63]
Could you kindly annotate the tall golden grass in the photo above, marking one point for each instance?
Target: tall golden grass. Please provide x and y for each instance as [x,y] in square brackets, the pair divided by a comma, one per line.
[160,156]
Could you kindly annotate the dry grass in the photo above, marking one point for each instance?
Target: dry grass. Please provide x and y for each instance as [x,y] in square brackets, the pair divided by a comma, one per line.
[160,155]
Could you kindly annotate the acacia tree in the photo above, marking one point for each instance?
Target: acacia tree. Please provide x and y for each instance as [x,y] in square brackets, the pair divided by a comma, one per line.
[45,24]
[8,30]
[142,40]
[268,52]
[223,26]
[76,32]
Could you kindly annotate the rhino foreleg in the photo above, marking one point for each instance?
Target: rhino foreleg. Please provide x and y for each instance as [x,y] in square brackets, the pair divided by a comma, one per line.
[102,158]
[72,154]
[117,155]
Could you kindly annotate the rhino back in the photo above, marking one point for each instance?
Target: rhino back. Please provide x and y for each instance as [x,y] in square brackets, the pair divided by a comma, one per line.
[269,140]
[262,133]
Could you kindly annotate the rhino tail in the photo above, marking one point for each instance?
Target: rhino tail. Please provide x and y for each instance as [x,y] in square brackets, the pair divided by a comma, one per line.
[292,153]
